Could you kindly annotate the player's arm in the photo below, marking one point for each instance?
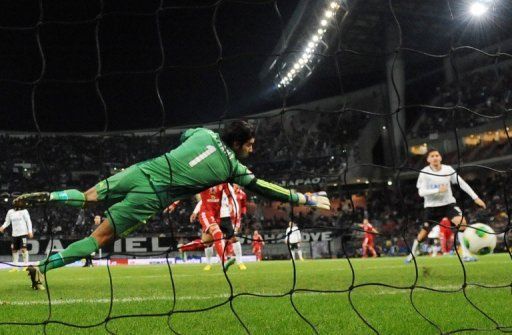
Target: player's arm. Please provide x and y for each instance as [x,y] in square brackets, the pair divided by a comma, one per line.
[26,216]
[456,179]
[421,185]
[172,207]
[193,216]
[243,176]
[7,222]
[276,192]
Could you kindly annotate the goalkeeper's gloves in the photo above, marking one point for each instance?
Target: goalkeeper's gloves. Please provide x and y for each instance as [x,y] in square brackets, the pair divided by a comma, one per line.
[315,200]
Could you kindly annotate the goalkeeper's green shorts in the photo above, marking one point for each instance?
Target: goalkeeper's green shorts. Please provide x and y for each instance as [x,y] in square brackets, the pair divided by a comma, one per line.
[132,200]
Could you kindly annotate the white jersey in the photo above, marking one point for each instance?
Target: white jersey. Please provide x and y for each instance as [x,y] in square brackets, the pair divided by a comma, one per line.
[429,182]
[229,204]
[20,220]
[225,208]
[294,236]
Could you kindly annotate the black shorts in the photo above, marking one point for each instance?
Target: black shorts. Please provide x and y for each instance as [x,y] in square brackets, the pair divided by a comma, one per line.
[294,246]
[433,215]
[226,226]
[19,242]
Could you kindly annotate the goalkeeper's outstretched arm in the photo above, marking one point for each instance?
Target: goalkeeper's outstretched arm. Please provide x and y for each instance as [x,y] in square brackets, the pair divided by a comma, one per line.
[276,192]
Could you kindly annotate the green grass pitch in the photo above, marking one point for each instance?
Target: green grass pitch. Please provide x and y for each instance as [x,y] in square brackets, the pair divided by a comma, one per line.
[82,296]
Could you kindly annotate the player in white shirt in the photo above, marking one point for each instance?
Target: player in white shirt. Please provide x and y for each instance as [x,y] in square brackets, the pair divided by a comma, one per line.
[293,238]
[21,224]
[434,185]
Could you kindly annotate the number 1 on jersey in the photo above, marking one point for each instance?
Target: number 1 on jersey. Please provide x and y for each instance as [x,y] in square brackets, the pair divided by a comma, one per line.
[209,150]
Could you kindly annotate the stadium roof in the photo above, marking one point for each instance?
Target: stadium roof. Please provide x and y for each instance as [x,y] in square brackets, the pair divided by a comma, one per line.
[49,69]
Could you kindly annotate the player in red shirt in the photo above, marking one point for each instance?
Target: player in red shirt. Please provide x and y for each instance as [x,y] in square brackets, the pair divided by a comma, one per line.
[208,213]
[368,238]
[257,245]
[445,235]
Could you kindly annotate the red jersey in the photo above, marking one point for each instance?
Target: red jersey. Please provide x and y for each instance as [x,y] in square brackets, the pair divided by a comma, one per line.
[211,202]
[257,241]
[444,227]
[211,199]
[368,229]
[241,199]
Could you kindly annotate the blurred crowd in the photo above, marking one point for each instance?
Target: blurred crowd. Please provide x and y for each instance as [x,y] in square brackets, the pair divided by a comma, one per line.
[485,92]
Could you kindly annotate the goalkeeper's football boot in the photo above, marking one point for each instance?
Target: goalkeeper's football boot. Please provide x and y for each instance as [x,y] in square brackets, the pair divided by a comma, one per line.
[14,269]
[28,200]
[228,263]
[208,267]
[242,266]
[36,277]
[468,259]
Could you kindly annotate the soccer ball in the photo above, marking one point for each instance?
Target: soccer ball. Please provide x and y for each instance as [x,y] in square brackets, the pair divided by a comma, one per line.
[479,238]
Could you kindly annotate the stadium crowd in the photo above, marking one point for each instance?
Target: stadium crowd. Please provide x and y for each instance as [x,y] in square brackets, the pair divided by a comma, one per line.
[484,92]
[75,161]
[298,146]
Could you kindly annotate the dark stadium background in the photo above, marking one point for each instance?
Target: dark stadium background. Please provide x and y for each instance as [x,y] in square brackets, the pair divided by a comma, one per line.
[190,86]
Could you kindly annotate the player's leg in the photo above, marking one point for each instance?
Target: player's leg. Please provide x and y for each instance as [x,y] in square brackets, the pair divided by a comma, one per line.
[24,253]
[299,252]
[444,243]
[292,250]
[232,245]
[101,237]
[112,189]
[257,253]
[450,239]
[237,249]
[195,245]
[422,235]
[15,255]
[209,222]
[460,222]
[364,247]
[122,218]
[208,253]
[371,247]
[218,240]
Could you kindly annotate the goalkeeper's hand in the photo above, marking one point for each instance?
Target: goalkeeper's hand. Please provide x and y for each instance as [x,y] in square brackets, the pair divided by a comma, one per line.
[315,200]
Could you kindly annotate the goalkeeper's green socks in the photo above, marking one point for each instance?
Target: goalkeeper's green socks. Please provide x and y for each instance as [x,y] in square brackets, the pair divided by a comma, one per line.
[73,198]
[72,253]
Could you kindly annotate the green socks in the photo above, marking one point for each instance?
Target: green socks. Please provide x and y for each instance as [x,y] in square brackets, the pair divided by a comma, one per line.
[73,198]
[72,253]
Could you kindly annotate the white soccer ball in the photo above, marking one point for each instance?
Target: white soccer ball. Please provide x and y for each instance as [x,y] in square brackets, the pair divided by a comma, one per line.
[479,238]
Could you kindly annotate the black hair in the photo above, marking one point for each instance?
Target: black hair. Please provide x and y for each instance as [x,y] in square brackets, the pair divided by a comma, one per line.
[237,131]
[430,150]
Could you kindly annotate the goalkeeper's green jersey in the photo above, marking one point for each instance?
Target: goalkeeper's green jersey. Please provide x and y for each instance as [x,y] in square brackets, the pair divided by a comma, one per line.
[201,161]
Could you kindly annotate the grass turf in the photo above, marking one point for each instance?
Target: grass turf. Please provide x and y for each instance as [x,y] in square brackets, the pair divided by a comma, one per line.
[81,296]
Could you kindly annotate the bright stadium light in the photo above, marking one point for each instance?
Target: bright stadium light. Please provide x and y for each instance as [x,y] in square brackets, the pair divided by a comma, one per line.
[478,8]
[320,28]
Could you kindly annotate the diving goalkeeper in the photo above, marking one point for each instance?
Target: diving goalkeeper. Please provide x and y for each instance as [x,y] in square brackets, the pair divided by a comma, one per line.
[203,159]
